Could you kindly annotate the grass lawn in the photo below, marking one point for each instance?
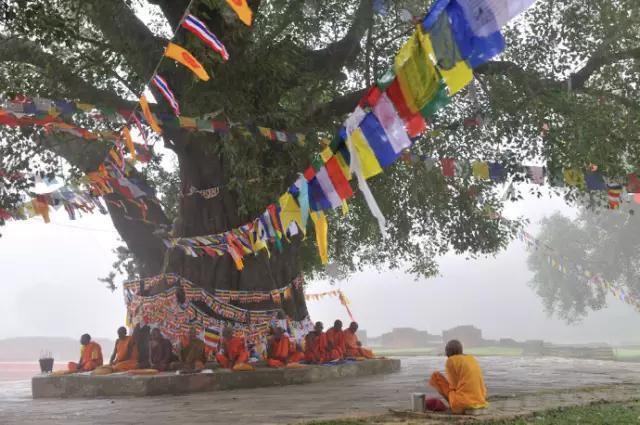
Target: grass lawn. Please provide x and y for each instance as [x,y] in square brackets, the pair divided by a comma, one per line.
[597,414]
[627,354]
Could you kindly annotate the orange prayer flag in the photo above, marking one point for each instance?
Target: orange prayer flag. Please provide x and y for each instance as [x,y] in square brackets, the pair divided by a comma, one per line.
[129,143]
[116,158]
[181,55]
[148,115]
[242,10]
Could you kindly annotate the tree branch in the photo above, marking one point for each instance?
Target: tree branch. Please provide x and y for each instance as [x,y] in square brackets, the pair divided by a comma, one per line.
[336,55]
[596,62]
[126,34]
[172,9]
[336,108]
[26,52]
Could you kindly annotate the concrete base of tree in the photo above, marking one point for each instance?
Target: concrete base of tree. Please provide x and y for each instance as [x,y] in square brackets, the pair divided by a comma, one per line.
[86,386]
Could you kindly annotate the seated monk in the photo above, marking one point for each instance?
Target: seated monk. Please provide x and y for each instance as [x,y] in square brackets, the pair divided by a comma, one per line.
[335,337]
[232,350]
[160,351]
[125,352]
[90,356]
[191,355]
[353,346]
[464,390]
[279,352]
[317,349]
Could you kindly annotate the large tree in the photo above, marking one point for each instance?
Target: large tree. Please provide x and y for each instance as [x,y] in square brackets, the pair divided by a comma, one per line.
[604,244]
[302,66]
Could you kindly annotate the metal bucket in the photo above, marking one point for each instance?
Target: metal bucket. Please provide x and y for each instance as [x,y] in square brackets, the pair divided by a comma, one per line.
[417,402]
[46,365]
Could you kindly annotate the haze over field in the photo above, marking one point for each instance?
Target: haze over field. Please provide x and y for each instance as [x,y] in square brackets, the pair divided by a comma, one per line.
[50,288]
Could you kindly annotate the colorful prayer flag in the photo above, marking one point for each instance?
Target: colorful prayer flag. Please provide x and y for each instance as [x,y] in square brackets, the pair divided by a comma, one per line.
[378,140]
[573,177]
[197,27]
[162,85]
[614,192]
[480,170]
[182,56]
[146,111]
[497,171]
[416,74]
[242,10]
[392,124]
[129,143]
[448,167]
[594,181]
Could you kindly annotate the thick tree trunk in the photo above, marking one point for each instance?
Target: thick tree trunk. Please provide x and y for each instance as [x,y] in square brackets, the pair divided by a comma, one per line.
[202,168]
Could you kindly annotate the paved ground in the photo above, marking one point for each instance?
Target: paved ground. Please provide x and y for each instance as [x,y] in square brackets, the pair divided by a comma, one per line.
[505,377]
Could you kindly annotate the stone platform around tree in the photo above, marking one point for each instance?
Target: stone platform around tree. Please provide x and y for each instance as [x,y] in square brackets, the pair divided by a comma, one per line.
[87,386]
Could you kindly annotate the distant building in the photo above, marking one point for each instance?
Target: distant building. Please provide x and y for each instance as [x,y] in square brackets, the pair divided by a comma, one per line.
[468,335]
[408,338]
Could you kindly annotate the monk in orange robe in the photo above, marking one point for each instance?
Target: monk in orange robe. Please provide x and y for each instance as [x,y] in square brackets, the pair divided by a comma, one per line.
[317,348]
[90,356]
[464,389]
[335,337]
[353,346]
[279,352]
[191,354]
[233,350]
[125,352]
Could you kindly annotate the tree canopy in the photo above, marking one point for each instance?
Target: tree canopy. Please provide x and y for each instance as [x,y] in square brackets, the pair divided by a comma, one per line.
[569,66]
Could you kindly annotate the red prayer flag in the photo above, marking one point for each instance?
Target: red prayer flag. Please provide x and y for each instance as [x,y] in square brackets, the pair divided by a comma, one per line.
[633,183]
[340,183]
[414,123]
[448,167]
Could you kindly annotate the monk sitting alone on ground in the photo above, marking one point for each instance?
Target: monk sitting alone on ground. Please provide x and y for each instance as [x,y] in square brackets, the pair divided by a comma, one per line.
[279,352]
[317,349]
[160,351]
[233,351]
[192,356]
[125,353]
[90,356]
[353,346]
[335,337]
[464,390]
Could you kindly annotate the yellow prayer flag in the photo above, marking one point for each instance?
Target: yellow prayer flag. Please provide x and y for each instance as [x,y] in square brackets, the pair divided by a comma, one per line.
[181,55]
[127,140]
[322,229]
[242,10]
[345,207]
[187,122]
[266,132]
[290,211]
[457,77]
[301,139]
[326,154]
[417,76]
[573,177]
[480,170]
[343,165]
[85,107]
[148,115]
[368,162]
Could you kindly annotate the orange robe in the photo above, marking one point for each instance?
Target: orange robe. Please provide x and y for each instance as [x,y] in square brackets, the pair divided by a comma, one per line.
[465,387]
[90,358]
[234,353]
[352,347]
[280,353]
[336,339]
[125,359]
[316,350]
[192,355]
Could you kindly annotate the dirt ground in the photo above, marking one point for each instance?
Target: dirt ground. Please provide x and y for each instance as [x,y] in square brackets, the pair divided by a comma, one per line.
[510,381]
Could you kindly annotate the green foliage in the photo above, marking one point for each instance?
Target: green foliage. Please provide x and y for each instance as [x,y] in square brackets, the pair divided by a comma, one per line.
[273,80]
[595,414]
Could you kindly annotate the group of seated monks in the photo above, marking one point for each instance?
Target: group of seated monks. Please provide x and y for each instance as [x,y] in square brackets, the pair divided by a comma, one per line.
[146,349]
[335,344]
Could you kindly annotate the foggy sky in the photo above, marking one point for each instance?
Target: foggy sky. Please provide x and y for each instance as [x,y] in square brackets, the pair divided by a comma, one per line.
[49,287]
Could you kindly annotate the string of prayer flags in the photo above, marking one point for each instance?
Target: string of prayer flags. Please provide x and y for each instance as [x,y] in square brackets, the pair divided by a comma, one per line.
[242,9]
[182,56]
[162,85]
[200,30]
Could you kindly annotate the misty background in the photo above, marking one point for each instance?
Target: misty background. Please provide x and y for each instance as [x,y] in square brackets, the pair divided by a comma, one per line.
[49,287]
